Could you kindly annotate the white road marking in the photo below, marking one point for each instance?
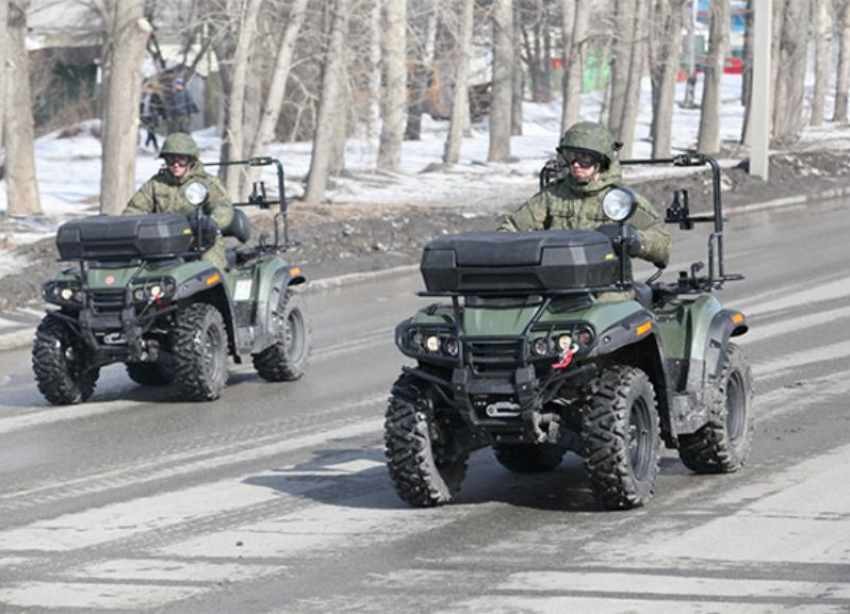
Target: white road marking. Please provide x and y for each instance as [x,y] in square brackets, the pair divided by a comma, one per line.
[787,298]
[92,595]
[793,360]
[796,324]
[167,570]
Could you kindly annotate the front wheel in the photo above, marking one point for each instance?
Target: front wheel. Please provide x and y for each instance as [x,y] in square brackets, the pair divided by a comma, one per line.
[59,361]
[722,445]
[199,346]
[424,466]
[287,359]
[620,436]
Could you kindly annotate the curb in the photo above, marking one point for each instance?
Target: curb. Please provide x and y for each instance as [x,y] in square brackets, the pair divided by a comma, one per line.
[23,337]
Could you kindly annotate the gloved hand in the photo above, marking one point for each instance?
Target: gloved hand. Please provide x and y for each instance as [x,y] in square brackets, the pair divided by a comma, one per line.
[207,227]
[630,234]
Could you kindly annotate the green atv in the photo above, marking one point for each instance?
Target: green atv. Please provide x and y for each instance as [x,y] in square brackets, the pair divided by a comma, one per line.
[526,359]
[140,294]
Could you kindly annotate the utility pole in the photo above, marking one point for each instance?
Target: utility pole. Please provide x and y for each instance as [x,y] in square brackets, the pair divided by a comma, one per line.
[761,112]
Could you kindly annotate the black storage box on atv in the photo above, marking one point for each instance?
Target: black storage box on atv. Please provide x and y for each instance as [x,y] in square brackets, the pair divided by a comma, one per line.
[115,237]
[507,261]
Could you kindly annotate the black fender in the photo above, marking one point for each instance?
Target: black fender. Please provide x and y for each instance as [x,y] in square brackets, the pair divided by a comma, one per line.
[282,279]
[209,287]
[624,333]
[725,324]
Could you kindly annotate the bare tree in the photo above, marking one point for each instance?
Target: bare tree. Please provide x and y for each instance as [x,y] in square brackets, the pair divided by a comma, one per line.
[709,121]
[234,136]
[635,80]
[4,53]
[21,186]
[788,120]
[747,73]
[126,34]
[333,78]
[665,47]
[624,24]
[502,89]
[842,83]
[274,99]
[460,100]
[575,58]
[518,84]
[394,41]
[822,19]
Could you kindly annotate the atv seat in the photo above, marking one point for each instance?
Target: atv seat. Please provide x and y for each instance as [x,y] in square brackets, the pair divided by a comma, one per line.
[239,227]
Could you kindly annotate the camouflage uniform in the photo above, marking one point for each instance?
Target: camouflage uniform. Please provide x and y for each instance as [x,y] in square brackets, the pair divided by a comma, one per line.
[569,204]
[165,193]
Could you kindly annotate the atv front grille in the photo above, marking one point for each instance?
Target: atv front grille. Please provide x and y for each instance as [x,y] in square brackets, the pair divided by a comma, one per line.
[494,356]
[105,302]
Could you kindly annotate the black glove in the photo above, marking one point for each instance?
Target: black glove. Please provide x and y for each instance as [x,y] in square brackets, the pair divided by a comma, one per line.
[206,227]
[625,233]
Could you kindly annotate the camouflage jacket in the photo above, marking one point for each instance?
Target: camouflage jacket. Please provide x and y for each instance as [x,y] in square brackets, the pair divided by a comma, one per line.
[164,193]
[567,205]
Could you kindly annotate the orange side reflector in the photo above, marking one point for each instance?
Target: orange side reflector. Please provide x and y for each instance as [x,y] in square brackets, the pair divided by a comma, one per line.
[213,279]
[737,318]
[644,328]
[295,271]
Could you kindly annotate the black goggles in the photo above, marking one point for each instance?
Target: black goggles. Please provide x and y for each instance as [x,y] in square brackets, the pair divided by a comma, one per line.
[582,159]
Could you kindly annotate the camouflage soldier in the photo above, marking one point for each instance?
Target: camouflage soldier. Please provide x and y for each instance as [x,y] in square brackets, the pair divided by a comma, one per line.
[575,202]
[165,192]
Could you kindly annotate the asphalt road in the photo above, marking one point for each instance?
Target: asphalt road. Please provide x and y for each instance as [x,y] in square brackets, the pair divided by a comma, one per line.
[275,499]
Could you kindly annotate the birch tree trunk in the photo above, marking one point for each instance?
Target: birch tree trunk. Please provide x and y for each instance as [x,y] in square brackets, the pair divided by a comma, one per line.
[518,84]
[574,66]
[501,90]
[233,134]
[332,83]
[709,120]
[277,88]
[747,76]
[788,120]
[394,41]
[822,13]
[21,186]
[636,68]
[842,83]
[126,39]
[668,42]
[4,55]
[460,99]
[624,23]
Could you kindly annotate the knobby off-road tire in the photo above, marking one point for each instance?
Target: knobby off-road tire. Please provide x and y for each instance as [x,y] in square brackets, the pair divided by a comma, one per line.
[151,373]
[199,346]
[59,362]
[528,458]
[723,444]
[422,476]
[621,439]
[287,359]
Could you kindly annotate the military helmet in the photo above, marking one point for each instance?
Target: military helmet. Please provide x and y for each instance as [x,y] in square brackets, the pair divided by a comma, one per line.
[180,144]
[591,137]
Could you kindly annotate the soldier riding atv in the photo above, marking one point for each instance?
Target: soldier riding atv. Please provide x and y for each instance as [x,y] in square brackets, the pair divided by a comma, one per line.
[160,293]
[549,345]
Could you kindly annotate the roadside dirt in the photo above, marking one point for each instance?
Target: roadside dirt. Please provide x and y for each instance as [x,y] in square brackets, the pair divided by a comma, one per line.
[338,239]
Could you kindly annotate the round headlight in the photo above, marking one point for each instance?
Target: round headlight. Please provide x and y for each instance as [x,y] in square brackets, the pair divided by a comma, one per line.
[432,344]
[451,346]
[564,342]
[540,346]
[156,291]
[196,193]
[619,204]
[66,293]
[139,294]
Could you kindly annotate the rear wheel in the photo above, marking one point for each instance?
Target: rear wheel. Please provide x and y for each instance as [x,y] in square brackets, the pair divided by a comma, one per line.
[620,435]
[424,465]
[199,346]
[60,364]
[287,359]
[723,444]
[529,458]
